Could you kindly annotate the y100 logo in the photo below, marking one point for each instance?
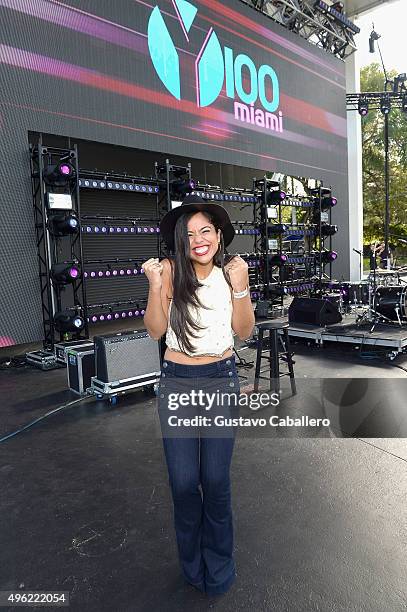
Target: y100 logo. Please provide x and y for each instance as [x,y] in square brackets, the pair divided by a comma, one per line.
[214,66]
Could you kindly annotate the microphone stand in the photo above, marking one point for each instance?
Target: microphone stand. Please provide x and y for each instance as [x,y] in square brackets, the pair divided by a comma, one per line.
[360,262]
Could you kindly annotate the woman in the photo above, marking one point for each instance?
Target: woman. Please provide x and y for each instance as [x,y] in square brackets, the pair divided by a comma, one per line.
[200,302]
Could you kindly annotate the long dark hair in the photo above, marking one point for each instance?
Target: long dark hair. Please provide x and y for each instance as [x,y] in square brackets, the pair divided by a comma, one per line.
[185,282]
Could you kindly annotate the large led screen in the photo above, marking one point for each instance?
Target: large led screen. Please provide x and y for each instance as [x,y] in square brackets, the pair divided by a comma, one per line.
[207,79]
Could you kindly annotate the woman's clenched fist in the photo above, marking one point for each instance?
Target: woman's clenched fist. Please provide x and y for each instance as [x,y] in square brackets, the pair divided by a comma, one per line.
[153,269]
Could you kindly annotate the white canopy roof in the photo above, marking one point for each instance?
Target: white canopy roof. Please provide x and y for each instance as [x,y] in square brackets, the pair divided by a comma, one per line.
[358,7]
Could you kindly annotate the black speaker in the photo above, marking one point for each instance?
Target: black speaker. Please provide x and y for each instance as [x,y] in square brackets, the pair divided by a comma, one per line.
[313,311]
[126,356]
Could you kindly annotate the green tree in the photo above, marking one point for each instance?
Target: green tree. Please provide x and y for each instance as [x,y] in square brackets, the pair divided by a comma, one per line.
[372,79]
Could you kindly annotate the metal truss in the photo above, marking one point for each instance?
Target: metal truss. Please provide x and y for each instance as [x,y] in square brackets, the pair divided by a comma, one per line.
[374,99]
[317,26]
[50,247]
[164,175]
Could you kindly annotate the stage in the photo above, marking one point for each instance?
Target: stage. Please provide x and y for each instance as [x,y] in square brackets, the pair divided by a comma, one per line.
[389,337]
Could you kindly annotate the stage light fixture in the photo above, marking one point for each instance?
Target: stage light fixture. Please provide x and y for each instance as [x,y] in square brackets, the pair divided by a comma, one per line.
[363,107]
[68,321]
[328,202]
[182,187]
[63,224]
[374,36]
[273,197]
[279,259]
[328,256]
[385,105]
[65,273]
[59,175]
[328,230]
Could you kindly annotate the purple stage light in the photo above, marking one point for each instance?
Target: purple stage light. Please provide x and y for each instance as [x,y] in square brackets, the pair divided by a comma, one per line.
[135,271]
[85,275]
[142,312]
[111,230]
[104,230]
[328,256]
[328,202]
[65,169]
[145,230]
[94,319]
[128,272]
[136,312]
[124,315]
[109,317]
[121,272]
[114,272]
[152,230]
[93,274]
[73,272]
[100,273]
[130,313]
[116,315]
[101,317]
[107,273]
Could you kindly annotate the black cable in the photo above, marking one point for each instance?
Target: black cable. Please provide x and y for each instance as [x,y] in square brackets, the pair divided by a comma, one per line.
[47,414]
[13,362]
[382,449]
[395,365]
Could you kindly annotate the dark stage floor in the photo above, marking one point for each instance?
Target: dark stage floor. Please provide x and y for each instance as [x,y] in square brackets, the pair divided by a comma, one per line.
[320,522]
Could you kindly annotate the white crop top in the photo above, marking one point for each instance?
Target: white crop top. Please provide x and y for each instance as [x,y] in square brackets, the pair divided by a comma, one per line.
[217,336]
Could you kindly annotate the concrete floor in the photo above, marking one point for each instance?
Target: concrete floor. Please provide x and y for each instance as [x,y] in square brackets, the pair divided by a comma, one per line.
[320,517]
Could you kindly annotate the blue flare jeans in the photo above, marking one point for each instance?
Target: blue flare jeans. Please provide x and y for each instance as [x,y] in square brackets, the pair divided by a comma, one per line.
[198,462]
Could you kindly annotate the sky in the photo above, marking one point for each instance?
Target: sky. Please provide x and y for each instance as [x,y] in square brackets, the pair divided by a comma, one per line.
[390,22]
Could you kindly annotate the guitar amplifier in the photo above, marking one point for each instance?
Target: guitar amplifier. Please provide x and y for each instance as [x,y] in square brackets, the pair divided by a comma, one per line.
[125,356]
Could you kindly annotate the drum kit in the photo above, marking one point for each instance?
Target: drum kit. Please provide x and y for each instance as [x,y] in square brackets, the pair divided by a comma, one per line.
[382,298]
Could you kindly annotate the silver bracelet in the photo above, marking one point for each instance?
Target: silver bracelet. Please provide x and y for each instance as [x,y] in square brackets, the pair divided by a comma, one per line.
[241,294]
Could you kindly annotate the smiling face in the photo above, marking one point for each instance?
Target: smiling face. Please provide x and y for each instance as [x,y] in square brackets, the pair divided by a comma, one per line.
[203,238]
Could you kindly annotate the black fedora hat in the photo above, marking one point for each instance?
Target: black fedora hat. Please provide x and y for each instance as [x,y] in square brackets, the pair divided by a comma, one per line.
[194,203]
